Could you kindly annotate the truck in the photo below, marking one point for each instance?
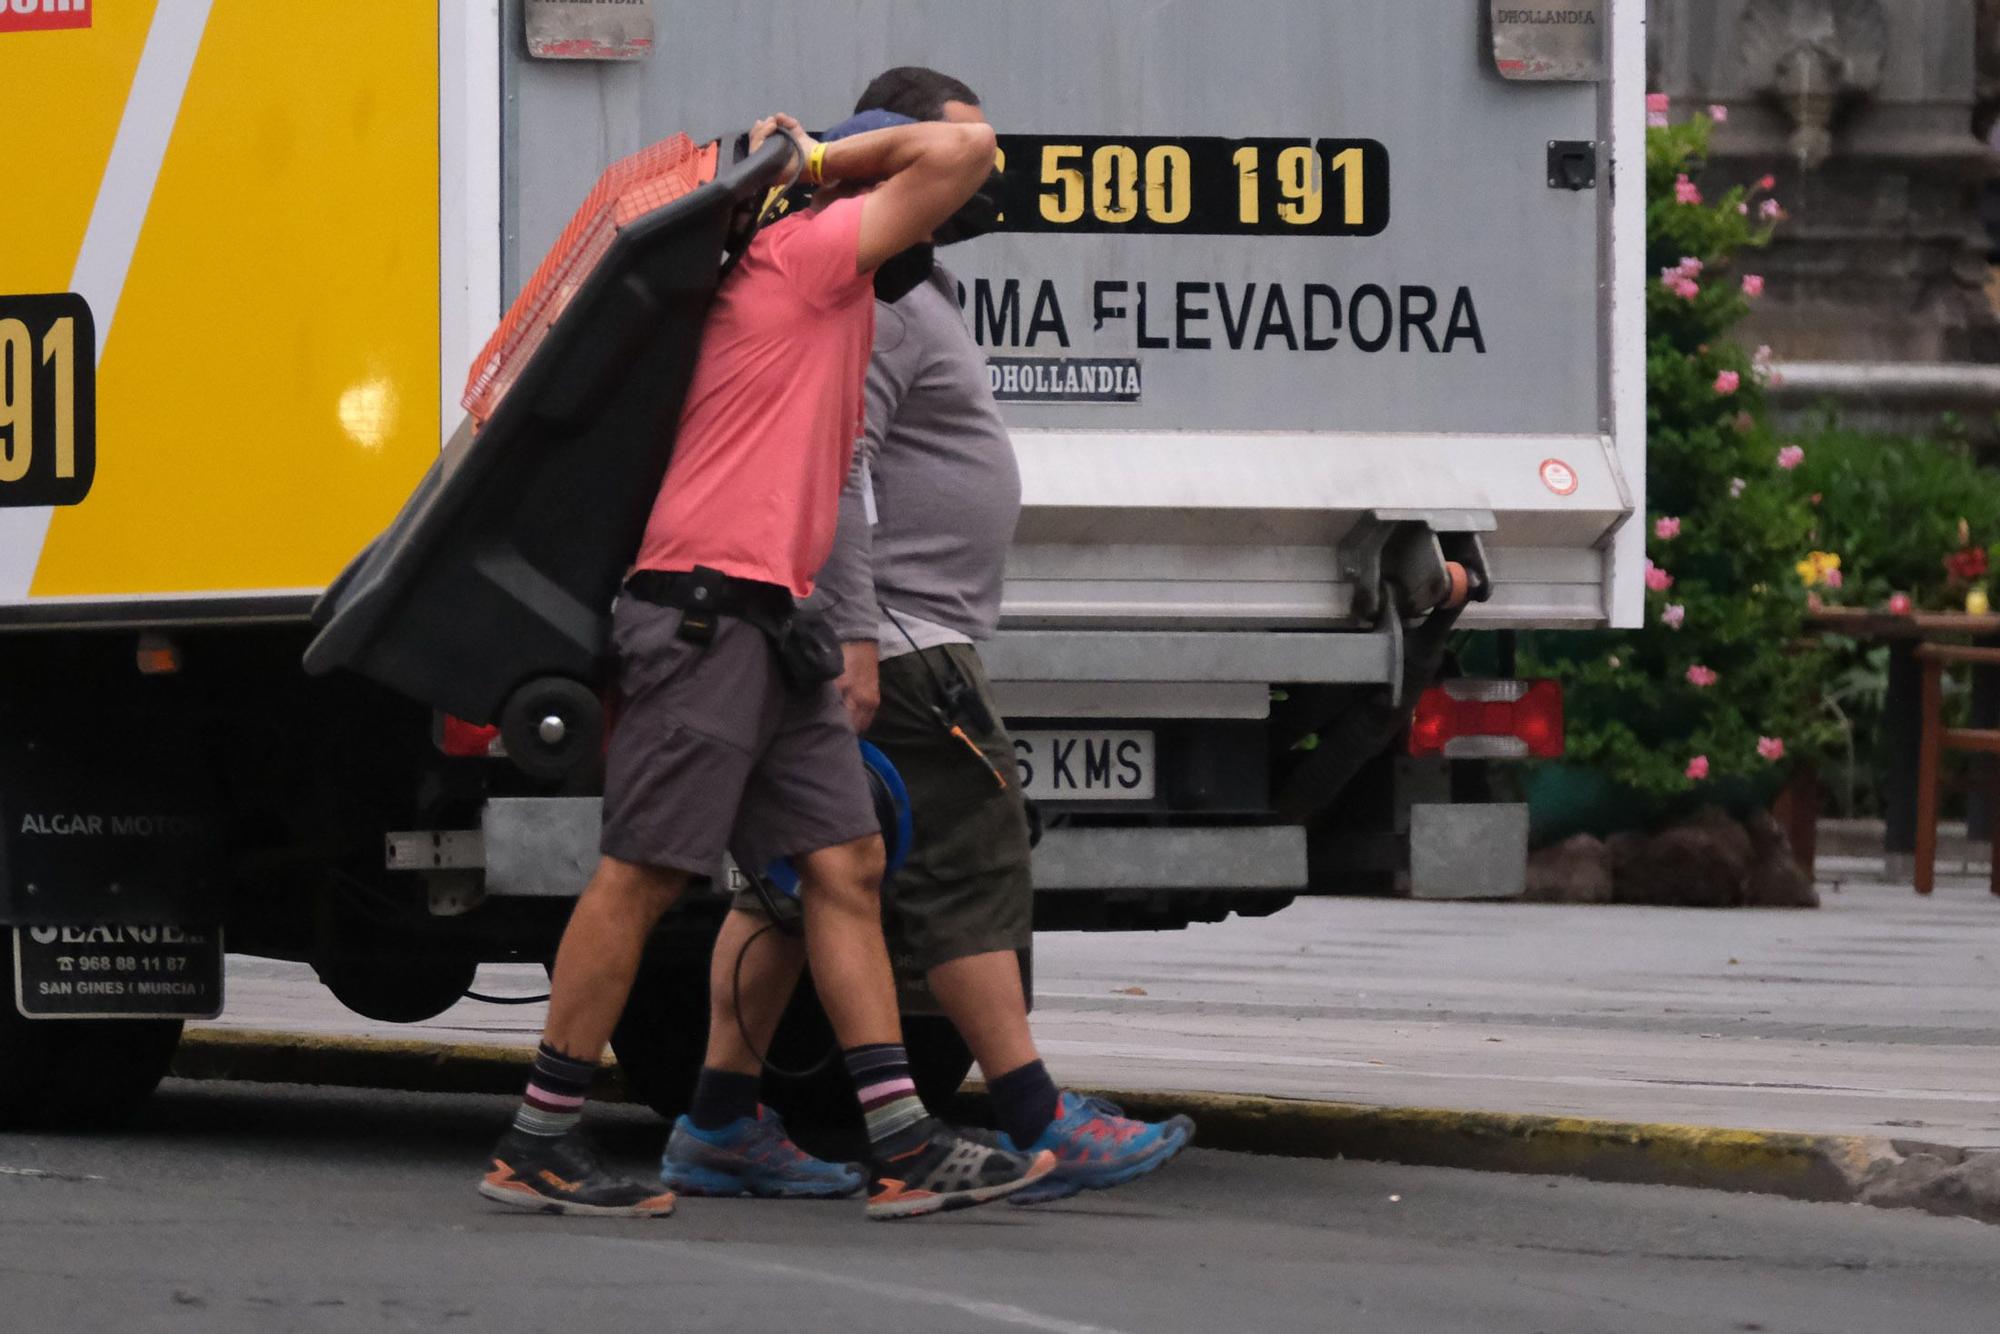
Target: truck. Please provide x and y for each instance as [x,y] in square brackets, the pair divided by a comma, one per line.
[1319,329]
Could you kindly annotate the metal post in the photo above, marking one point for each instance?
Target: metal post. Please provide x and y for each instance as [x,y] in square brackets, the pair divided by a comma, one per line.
[1902,726]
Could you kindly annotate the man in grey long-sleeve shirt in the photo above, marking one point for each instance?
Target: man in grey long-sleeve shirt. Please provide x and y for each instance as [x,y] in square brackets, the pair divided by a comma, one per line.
[912,586]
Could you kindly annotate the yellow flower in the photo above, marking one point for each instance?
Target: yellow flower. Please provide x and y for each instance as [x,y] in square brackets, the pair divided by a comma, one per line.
[1816,567]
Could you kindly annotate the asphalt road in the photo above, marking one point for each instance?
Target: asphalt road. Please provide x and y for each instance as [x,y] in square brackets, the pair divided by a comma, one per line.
[258,1208]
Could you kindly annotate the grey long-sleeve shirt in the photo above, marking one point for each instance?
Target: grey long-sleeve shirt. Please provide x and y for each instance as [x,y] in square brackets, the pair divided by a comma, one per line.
[946,488]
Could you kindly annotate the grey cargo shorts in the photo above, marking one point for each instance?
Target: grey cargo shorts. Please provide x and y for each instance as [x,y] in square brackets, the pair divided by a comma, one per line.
[712,750]
[968,887]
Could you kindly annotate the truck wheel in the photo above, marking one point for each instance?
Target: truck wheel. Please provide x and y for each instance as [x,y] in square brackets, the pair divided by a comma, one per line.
[397,991]
[663,1034]
[939,1058]
[64,1073]
[939,1061]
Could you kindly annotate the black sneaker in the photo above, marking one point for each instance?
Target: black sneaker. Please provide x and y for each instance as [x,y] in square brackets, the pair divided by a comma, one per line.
[950,1169]
[562,1175]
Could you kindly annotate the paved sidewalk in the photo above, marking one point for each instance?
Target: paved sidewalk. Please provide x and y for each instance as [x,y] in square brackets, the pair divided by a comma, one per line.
[1873,1016]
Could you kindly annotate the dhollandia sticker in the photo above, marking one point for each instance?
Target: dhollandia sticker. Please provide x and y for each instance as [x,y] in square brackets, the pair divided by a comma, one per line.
[1559,477]
[43,15]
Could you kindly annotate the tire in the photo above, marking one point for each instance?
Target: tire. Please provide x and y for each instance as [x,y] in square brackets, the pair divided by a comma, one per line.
[663,1034]
[62,1074]
[939,1059]
[398,991]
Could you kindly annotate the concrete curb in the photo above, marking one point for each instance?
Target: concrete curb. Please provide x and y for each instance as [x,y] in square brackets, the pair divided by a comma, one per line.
[1842,1169]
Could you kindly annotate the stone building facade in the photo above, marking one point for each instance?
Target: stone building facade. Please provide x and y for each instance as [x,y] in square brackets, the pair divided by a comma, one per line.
[1871,114]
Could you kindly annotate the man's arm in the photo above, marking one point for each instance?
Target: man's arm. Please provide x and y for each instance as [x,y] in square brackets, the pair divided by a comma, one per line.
[927,172]
[847,581]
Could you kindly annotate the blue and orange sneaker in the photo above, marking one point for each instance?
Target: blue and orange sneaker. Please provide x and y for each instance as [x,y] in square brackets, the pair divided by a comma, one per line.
[751,1156]
[1097,1147]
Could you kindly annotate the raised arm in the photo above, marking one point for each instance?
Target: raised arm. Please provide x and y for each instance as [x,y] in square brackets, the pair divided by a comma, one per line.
[926,171]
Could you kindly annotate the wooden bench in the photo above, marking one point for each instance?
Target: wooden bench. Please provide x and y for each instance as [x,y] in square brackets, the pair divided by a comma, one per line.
[1932,659]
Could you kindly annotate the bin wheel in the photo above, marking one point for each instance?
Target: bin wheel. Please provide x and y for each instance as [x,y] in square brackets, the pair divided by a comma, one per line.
[59,1074]
[551,725]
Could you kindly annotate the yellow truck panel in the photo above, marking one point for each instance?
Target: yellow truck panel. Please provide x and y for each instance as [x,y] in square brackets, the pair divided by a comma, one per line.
[268,385]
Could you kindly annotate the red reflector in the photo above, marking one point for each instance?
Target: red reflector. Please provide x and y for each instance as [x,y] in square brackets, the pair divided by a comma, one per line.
[1489,719]
[467,740]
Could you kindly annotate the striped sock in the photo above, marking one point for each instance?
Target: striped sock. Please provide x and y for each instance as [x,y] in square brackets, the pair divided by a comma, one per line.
[556,1089]
[896,1118]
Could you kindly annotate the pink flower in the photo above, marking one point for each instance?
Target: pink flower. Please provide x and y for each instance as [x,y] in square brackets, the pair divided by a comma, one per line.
[1770,210]
[1672,615]
[1728,382]
[1698,768]
[1718,113]
[1666,529]
[1701,676]
[1743,209]
[1833,579]
[1687,289]
[1768,183]
[1753,285]
[1658,579]
[1686,191]
[1899,604]
[1657,106]
[1790,457]
[1771,748]
[1690,267]
[1736,486]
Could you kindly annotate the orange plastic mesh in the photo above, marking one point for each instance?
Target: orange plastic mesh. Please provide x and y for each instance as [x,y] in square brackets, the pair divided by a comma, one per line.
[629,189]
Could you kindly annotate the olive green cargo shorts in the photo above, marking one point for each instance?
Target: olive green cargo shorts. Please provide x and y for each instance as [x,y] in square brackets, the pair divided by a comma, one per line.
[967,887]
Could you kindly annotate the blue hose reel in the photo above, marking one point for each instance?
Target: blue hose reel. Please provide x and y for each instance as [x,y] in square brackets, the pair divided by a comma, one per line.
[892,812]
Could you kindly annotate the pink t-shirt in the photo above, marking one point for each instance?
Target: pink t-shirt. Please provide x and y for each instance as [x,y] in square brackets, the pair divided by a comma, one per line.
[768,429]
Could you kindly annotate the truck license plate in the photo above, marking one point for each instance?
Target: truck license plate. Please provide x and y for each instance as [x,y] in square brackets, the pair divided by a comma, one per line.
[118,972]
[1086,765]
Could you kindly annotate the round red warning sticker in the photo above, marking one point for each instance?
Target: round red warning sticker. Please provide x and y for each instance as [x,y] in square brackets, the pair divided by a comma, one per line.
[1559,477]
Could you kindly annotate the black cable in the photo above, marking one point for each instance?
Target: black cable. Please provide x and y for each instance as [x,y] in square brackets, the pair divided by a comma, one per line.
[736,1000]
[507,1000]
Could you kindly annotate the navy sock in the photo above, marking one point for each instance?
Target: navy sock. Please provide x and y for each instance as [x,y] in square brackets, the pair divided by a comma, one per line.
[1024,1102]
[722,1098]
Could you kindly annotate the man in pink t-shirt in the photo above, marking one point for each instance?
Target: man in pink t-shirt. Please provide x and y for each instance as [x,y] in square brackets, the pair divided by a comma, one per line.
[722,742]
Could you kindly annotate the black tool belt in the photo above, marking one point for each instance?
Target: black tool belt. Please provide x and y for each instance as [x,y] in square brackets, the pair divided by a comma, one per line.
[808,653]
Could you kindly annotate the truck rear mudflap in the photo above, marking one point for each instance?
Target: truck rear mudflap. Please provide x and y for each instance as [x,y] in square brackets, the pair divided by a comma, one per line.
[111,871]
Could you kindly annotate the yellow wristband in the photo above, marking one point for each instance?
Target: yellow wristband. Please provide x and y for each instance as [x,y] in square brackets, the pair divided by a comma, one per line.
[816,165]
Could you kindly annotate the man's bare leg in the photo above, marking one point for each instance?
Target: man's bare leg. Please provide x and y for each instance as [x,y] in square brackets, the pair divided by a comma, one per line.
[753,1000]
[600,951]
[982,996]
[841,891]
[539,1164]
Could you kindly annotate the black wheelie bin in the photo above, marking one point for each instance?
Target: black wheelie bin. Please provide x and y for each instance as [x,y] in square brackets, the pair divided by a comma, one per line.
[489,596]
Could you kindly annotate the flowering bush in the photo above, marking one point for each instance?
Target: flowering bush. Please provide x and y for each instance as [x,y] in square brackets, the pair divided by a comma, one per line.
[1908,523]
[1721,684]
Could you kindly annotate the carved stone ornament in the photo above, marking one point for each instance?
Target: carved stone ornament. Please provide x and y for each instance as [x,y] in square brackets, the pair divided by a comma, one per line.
[1813,57]
[1988,107]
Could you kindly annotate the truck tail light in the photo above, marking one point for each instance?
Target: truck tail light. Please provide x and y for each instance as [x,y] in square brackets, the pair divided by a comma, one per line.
[1489,720]
[469,741]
